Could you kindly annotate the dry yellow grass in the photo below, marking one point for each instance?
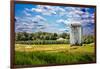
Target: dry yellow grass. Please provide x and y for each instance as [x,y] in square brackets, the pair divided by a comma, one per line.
[55,48]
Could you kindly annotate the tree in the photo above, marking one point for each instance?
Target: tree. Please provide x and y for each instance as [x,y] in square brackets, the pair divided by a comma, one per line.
[88,39]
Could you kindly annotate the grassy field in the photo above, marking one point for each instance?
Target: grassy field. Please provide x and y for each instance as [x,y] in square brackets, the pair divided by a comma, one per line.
[53,54]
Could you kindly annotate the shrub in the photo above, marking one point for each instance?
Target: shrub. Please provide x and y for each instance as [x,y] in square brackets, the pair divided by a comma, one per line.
[43,42]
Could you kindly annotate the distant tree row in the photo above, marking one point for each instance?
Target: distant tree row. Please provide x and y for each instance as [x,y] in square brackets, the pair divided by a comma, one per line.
[23,36]
[48,38]
[88,39]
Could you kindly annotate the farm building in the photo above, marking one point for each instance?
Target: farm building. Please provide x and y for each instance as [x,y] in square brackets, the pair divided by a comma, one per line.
[76,34]
[61,39]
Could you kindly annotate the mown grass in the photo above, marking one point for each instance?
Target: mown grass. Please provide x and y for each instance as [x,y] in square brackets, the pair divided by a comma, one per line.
[53,54]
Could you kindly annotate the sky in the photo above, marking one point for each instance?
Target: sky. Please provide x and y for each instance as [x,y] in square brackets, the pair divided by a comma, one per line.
[54,19]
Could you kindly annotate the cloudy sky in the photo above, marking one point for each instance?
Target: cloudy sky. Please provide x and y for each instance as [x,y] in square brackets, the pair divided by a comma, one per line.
[34,18]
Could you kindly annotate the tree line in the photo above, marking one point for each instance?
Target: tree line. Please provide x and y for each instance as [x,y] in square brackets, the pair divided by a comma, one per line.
[24,36]
[48,38]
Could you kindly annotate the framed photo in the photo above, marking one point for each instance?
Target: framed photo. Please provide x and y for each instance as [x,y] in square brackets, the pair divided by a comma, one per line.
[49,34]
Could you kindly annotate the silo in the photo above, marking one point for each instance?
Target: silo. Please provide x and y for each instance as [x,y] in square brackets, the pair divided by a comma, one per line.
[75,34]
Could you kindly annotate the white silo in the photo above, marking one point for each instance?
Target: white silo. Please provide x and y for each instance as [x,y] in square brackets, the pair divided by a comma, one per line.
[75,34]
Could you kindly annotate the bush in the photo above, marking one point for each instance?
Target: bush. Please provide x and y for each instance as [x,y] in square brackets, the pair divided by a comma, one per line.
[43,42]
[88,39]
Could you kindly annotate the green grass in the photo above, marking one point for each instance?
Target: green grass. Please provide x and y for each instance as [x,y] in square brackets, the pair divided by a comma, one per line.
[53,54]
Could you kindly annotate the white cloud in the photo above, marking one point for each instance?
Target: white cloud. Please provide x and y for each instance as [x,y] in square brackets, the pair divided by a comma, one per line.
[48,10]
[56,10]
[60,21]
[39,18]
[43,9]
[54,29]
[59,9]
[27,9]
[30,23]
[38,22]
[36,10]
[26,13]
[64,30]
[66,22]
